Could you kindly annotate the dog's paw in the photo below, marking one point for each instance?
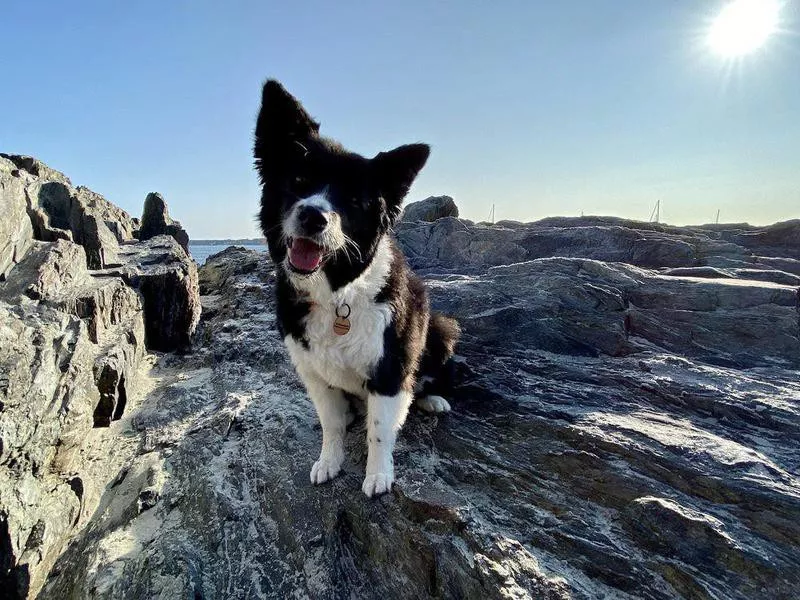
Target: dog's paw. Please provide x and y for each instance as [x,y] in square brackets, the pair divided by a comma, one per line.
[376,484]
[433,404]
[325,469]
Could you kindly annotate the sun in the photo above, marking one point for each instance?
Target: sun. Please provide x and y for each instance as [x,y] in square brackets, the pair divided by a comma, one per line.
[743,26]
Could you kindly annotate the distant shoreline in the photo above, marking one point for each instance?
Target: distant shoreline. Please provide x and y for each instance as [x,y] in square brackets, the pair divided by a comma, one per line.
[245,241]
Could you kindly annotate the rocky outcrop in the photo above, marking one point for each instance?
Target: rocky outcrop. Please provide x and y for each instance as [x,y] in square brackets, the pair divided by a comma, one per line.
[625,424]
[617,431]
[463,246]
[57,210]
[73,347]
[156,221]
[430,209]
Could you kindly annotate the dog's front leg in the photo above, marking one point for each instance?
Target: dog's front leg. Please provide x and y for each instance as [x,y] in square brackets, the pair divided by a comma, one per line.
[385,416]
[331,408]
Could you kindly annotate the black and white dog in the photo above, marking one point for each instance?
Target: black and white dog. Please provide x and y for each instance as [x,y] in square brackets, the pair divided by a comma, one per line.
[354,318]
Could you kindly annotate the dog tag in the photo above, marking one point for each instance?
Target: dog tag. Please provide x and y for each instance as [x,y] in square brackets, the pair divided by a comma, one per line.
[342,323]
[341,326]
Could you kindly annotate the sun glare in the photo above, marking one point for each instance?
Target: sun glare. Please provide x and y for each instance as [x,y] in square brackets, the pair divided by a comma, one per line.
[743,26]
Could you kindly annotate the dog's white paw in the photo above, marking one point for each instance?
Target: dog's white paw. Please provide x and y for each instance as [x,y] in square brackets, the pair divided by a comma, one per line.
[376,484]
[325,468]
[433,404]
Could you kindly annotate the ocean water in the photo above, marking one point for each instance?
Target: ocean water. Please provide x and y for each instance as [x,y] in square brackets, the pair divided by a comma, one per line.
[201,252]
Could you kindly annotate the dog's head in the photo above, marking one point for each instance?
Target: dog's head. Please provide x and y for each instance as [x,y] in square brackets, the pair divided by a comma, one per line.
[324,208]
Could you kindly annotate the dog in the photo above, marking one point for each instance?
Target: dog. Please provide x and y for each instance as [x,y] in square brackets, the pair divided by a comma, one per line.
[355,319]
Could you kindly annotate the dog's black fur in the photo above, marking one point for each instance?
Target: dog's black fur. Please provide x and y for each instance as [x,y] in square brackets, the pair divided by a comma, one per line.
[294,162]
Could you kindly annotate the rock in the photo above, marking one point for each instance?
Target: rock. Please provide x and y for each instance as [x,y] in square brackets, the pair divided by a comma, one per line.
[16,232]
[72,351]
[616,432]
[462,246]
[57,210]
[156,221]
[430,209]
[625,423]
[780,239]
[51,337]
[167,279]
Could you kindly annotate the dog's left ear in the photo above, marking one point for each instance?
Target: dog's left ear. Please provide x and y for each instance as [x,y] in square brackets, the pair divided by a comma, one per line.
[283,128]
[394,172]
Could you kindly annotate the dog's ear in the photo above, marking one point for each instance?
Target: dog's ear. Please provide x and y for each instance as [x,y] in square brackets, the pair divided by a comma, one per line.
[395,171]
[282,124]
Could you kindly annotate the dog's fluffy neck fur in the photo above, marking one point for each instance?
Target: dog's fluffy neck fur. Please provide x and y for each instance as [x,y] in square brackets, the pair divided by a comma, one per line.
[319,289]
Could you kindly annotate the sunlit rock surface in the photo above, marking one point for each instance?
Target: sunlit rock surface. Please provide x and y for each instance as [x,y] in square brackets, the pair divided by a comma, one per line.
[81,301]
[616,432]
[625,421]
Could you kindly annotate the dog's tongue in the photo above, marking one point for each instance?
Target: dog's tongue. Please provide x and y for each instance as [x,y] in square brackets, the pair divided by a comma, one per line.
[305,254]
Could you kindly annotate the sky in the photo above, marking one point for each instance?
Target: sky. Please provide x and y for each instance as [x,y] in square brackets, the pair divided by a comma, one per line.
[541,108]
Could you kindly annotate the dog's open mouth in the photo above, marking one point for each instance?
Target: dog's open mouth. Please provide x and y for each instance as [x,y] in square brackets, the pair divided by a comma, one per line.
[305,255]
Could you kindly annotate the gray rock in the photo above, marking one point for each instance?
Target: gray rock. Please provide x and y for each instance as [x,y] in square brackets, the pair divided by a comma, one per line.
[461,246]
[156,221]
[57,210]
[167,279]
[601,445]
[72,351]
[618,430]
[16,232]
[430,209]
[57,323]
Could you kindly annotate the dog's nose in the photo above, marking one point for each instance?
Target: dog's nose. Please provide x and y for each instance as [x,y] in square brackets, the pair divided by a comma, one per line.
[311,219]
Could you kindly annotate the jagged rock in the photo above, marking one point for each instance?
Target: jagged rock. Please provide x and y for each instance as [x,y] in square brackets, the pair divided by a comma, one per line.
[167,279]
[57,210]
[618,430]
[16,233]
[615,432]
[72,347]
[48,399]
[156,221]
[430,209]
[780,239]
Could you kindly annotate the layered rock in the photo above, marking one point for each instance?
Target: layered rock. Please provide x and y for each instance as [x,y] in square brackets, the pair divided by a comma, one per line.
[58,210]
[616,432]
[463,246]
[626,419]
[73,341]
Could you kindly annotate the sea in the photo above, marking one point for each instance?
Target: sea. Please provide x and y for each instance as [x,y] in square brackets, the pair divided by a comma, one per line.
[200,251]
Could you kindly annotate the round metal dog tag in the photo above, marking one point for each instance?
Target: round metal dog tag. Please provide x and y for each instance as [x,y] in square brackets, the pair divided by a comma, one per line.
[342,323]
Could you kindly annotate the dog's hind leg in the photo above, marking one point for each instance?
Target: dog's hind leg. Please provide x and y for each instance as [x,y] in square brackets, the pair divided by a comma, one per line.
[435,376]
[432,404]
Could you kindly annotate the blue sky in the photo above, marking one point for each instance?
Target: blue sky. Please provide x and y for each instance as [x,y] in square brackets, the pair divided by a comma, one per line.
[543,108]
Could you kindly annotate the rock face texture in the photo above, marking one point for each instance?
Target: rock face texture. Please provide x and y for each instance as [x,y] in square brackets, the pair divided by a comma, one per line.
[430,209]
[463,246]
[156,221]
[73,351]
[617,431]
[626,418]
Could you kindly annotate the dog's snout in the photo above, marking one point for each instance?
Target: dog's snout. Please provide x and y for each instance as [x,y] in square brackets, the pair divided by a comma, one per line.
[311,219]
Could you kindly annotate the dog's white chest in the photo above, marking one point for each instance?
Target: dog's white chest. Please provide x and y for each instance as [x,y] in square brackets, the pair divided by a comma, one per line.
[343,361]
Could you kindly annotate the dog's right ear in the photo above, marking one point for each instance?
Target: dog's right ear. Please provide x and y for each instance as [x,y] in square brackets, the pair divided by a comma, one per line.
[283,125]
